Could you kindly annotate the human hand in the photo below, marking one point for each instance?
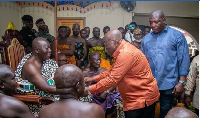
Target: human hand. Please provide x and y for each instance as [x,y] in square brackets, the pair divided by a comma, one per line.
[187,102]
[78,63]
[178,89]
[88,79]
[85,94]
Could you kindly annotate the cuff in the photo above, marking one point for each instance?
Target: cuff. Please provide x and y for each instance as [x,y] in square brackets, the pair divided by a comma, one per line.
[92,89]
[96,78]
[187,92]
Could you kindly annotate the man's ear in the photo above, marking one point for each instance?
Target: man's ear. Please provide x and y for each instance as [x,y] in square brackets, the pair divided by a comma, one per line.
[164,20]
[37,50]
[78,86]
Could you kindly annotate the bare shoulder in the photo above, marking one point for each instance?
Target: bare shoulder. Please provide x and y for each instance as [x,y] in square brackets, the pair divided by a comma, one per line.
[14,107]
[97,110]
[29,67]
[85,72]
[45,110]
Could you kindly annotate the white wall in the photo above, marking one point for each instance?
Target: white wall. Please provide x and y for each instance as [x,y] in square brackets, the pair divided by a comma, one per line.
[170,8]
[9,12]
[112,16]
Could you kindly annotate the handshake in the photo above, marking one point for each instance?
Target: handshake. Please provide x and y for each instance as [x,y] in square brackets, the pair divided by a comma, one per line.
[86,91]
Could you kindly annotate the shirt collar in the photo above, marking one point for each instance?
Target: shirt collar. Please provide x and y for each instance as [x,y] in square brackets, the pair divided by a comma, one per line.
[166,29]
[116,53]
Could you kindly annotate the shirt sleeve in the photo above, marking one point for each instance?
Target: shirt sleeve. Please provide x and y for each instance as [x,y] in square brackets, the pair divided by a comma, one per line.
[183,55]
[101,76]
[119,69]
[191,78]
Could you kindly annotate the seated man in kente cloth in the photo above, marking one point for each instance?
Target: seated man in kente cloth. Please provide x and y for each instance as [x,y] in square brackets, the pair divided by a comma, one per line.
[35,72]
[70,86]
[9,106]
[106,99]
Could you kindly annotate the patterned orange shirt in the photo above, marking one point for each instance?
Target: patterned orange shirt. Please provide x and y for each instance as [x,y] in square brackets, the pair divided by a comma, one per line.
[132,75]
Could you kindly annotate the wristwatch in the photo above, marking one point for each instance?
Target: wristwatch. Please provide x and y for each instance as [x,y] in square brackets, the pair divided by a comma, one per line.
[182,82]
[107,91]
[88,91]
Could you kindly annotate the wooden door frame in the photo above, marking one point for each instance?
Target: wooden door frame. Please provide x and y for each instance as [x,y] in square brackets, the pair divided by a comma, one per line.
[72,18]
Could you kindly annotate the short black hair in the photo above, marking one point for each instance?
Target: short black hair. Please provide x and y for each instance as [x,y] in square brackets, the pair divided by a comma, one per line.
[66,27]
[147,27]
[120,28]
[133,23]
[39,20]
[86,27]
[27,18]
[82,30]
[106,27]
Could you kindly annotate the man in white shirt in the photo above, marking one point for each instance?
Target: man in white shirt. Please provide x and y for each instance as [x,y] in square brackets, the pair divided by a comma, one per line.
[129,35]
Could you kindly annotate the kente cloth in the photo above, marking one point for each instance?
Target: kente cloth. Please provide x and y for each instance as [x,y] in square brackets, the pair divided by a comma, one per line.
[79,53]
[26,87]
[104,63]
[109,102]
[70,59]
[120,112]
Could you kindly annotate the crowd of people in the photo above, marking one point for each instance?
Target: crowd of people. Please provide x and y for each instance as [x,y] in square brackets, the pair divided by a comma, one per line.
[124,73]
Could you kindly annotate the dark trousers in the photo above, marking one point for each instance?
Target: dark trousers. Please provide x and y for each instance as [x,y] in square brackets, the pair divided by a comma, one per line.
[166,101]
[197,112]
[146,112]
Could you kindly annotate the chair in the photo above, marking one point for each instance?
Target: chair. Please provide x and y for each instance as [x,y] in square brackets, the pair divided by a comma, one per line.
[15,53]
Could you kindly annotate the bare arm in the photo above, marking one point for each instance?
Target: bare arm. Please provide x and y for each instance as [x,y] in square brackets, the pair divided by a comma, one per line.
[35,77]
[85,50]
[16,108]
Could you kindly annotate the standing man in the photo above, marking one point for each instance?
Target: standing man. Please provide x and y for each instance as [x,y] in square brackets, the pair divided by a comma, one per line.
[132,75]
[146,30]
[83,34]
[167,52]
[80,52]
[87,29]
[123,32]
[193,82]
[27,32]
[105,30]
[129,36]
[39,23]
[138,38]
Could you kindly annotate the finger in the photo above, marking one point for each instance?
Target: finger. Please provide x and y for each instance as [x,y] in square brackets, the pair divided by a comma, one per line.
[174,90]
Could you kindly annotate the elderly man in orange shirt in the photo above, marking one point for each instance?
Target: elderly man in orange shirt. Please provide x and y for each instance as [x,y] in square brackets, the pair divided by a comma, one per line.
[132,75]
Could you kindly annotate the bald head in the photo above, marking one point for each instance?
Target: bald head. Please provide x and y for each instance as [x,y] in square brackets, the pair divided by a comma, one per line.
[38,42]
[157,13]
[157,21]
[113,35]
[5,71]
[112,40]
[67,76]
[179,112]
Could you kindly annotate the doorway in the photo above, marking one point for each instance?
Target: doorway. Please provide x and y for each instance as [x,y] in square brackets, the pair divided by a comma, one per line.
[69,21]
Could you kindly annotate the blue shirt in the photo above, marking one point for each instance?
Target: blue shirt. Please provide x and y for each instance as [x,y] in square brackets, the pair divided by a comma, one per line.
[168,56]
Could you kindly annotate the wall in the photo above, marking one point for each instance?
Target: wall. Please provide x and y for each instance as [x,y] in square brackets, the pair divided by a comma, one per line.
[112,16]
[183,14]
[170,8]
[9,12]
